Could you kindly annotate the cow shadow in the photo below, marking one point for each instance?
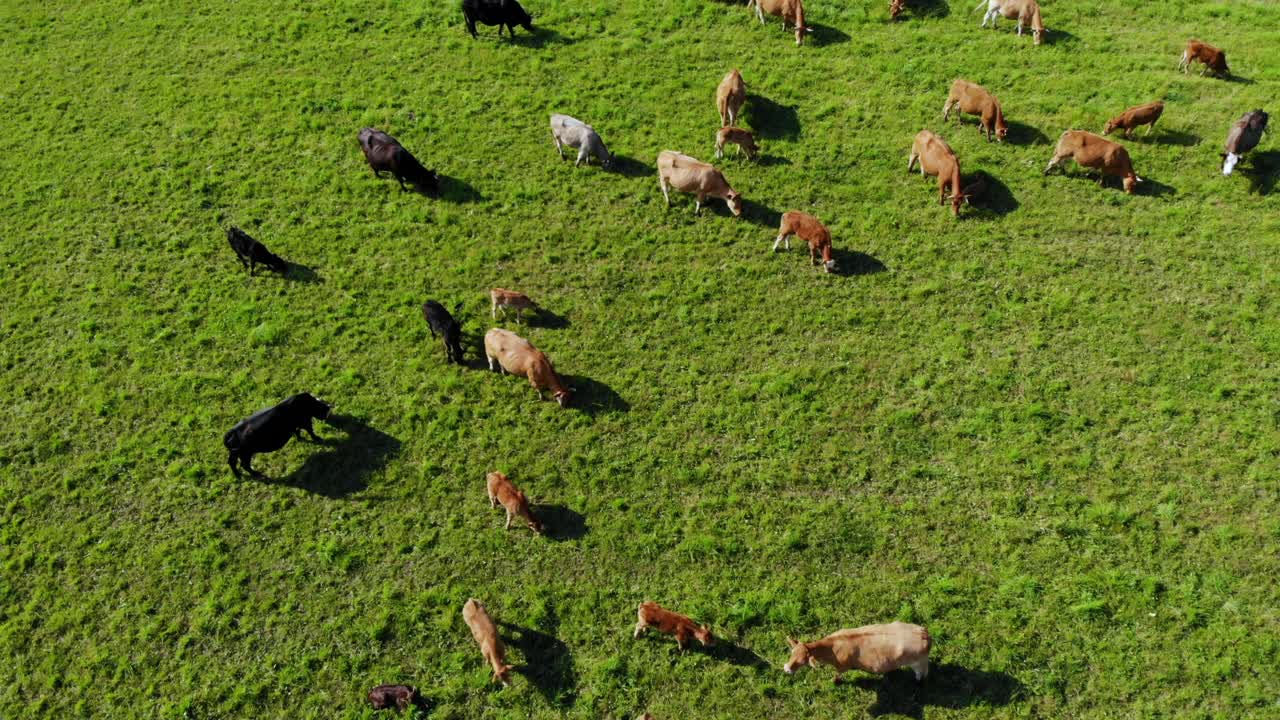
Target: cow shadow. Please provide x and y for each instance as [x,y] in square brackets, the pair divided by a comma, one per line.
[1262,171]
[630,167]
[1154,188]
[459,191]
[771,120]
[560,523]
[771,160]
[734,654]
[1023,134]
[548,662]
[851,263]
[1165,136]
[298,272]
[1233,78]
[541,37]
[1052,36]
[346,465]
[928,8]
[760,214]
[948,686]
[594,397]
[826,35]
[544,318]
[994,198]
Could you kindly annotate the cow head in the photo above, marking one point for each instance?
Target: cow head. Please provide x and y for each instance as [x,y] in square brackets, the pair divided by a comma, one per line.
[313,407]
[503,674]
[1038,35]
[1130,182]
[1110,127]
[703,633]
[564,397]
[428,183]
[536,524]
[525,20]
[829,265]
[751,147]
[1002,130]
[275,262]
[800,657]
[957,200]
[734,201]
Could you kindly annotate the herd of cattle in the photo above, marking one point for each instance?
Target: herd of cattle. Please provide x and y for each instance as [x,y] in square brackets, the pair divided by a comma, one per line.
[872,648]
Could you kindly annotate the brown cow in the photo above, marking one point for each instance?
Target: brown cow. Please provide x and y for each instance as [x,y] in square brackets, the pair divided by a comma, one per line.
[791,12]
[871,648]
[501,490]
[1027,12]
[1095,151]
[974,99]
[486,635]
[1133,117]
[519,357]
[895,8]
[742,138]
[653,615]
[694,176]
[504,299]
[937,158]
[809,229]
[730,97]
[1211,57]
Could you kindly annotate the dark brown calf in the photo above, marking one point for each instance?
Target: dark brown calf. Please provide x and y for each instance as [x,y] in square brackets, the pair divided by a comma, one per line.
[400,697]
[1211,57]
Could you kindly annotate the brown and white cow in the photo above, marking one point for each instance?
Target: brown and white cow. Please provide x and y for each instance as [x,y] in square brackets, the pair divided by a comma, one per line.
[937,158]
[1027,12]
[653,615]
[519,357]
[742,138]
[973,99]
[730,97]
[694,176]
[1135,116]
[870,648]
[809,229]
[486,635]
[503,491]
[791,12]
[1095,151]
[1211,57]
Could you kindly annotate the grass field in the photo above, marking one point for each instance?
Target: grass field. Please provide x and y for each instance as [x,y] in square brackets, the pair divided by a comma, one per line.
[1047,431]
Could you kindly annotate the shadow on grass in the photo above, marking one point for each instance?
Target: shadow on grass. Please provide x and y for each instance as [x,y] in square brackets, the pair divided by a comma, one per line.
[1051,36]
[1023,134]
[1164,136]
[544,318]
[948,686]
[770,120]
[1262,171]
[548,663]
[1233,78]
[593,397]
[298,272]
[927,8]
[771,160]
[1154,188]
[827,35]
[455,190]
[732,653]
[541,37]
[560,522]
[630,167]
[760,214]
[990,196]
[345,466]
[851,263]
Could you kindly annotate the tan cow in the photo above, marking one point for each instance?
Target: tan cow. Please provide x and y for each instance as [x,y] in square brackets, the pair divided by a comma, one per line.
[504,299]
[653,615]
[519,357]
[1211,57]
[936,158]
[1133,117]
[742,138]
[501,490]
[694,176]
[730,97]
[1027,12]
[871,648]
[791,12]
[1095,151]
[486,636]
[809,229]
[974,99]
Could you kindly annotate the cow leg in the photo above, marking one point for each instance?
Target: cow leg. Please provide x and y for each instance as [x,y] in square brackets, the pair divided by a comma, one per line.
[307,426]
[836,679]
[508,525]
[401,181]
[697,204]
[759,13]
[662,183]
[493,365]
[471,28]
[719,147]
[1053,161]
[946,111]
[582,155]
[921,669]
[231,460]
[781,237]
[1019,27]
[556,140]
[244,463]
[911,161]
[640,628]
[253,266]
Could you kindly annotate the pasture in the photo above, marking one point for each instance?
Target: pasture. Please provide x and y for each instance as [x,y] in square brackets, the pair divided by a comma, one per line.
[1047,431]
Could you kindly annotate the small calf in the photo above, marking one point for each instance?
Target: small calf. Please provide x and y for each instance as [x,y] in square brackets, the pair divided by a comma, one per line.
[268,430]
[1134,117]
[439,321]
[811,231]
[485,633]
[251,252]
[742,138]
[505,299]
[653,615]
[501,490]
[1212,58]
[871,648]
[400,697]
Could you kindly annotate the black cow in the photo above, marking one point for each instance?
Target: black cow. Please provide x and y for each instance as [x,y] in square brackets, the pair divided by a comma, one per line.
[251,252]
[268,430]
[440,321]
[386,154]
[399,697]
[496,12]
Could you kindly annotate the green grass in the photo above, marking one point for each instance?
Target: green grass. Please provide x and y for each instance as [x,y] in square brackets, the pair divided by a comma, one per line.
[1049,434]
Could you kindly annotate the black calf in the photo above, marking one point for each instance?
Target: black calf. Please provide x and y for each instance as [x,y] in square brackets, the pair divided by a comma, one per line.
[268,430]
[251,251]
[440,321]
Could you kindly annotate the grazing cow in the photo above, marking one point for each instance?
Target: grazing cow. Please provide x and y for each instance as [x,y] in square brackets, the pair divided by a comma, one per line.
[440,322]
[1243,137]
[811,231]
[693,176]
[1133,117]
[518,356]
[268,430]
[386,154]
[1212,58]
[974,99]
[1027,12]
[871,648]
[730,97]
[501,490]
[1095,151]
[742,138]
[400,697]
[251,252]
[581,137]
[496,12]
[791,12]
[653,615]
[937,158]
[505,299]
[485,633]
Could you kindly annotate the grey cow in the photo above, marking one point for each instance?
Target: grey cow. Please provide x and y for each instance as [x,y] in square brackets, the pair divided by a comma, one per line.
[580,136]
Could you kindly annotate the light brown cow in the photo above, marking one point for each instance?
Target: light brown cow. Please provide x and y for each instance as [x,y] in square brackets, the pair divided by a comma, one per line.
[974,99]
[1027,12]
[1133,117]
[1211,57]
[791,12]
[1095,151]
[809,229]
[871,648]
[504,299]
[501,490]
[519,357]
[486,636]
[730,97]
[694,176]
[936,158]
[742,138]
[653,615]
